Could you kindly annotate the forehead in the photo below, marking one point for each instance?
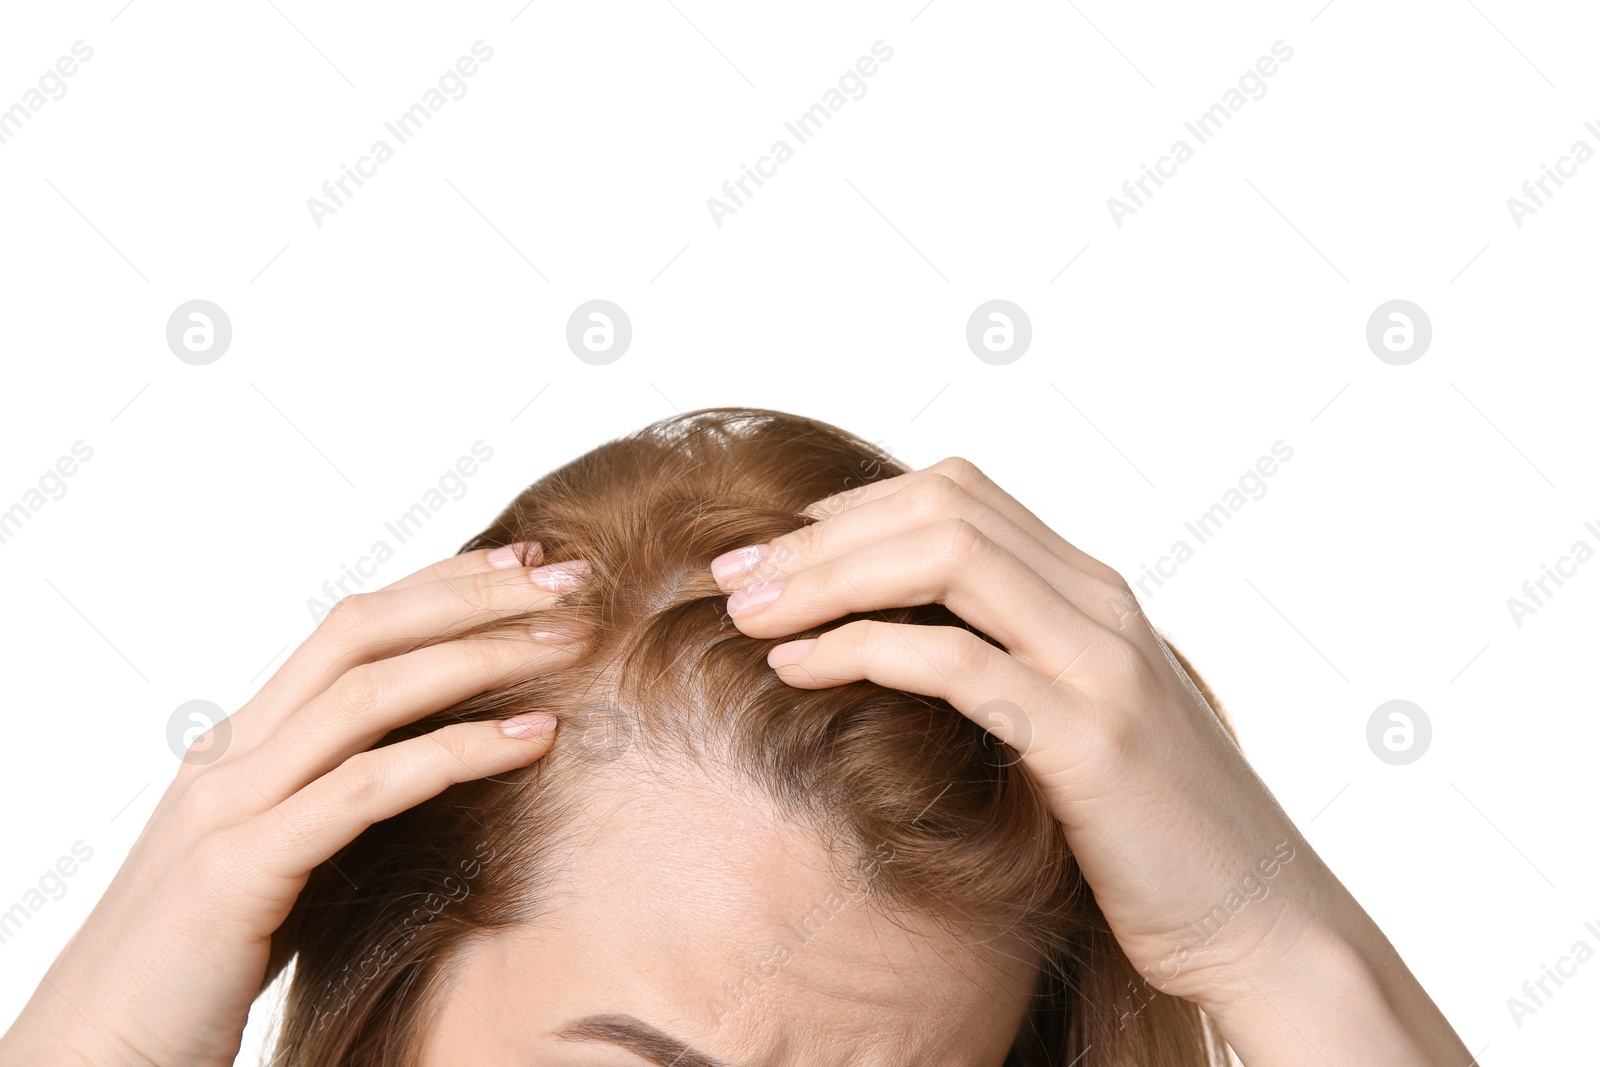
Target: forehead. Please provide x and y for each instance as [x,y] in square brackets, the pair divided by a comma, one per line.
[696,907]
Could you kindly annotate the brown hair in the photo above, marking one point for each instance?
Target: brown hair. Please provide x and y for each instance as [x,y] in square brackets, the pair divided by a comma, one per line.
[971,838]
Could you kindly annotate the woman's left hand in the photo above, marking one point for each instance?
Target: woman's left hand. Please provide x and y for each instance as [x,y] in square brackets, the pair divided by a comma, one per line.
[1210,889]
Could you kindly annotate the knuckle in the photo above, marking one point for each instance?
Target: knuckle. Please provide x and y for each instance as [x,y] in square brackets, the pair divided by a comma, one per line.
[935,495]
[863,637]
[457,740]
[964,653]
[350,618]
[361,690]
[205,798]
[1124,607]
[484,590]
[959,542]
[1104,573]
[362,778]
[961,471]
[485,657]
[1110,578]
[1120,659]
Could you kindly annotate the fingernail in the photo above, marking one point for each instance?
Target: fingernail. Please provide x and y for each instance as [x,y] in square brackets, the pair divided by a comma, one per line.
[820,509]
[739,562]
[791,653]
[529,724]
[553,637]
[508,555]
[560,577]
[753,598]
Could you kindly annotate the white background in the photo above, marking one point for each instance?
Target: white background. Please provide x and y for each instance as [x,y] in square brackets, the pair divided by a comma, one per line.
[1227,314]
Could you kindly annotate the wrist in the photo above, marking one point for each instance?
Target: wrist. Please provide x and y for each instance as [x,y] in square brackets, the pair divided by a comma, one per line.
[51,1032]
[1329,984]
[46,1044]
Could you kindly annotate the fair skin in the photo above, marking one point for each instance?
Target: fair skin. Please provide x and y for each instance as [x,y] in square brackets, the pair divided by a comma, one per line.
[698,911]
[1164,815]
[1166,818]
[166,966]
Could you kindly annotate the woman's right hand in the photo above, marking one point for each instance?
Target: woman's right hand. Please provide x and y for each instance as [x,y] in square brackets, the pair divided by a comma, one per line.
[166,966]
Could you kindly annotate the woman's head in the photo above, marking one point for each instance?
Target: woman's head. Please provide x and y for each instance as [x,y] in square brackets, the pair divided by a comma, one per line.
[772,875]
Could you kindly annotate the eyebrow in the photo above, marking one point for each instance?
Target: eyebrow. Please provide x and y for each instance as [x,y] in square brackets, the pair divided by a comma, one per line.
[638,1037]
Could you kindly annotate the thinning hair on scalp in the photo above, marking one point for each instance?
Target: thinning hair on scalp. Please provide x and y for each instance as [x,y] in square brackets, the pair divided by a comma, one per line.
[375,933]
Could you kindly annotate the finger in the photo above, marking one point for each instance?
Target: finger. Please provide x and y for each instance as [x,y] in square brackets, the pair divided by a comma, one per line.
[520,554]
[370,626]
[967,475]
[371,699]
[955,665]
[310,826]
[952,563]
[919,504]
